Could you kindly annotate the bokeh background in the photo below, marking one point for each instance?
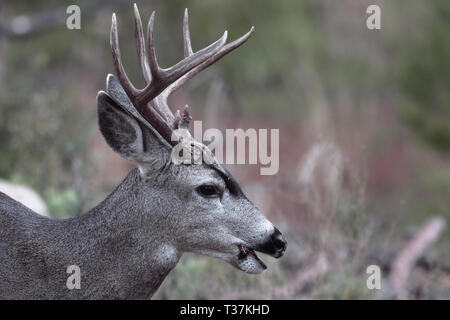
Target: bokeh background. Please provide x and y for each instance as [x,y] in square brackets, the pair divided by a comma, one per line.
[364,119]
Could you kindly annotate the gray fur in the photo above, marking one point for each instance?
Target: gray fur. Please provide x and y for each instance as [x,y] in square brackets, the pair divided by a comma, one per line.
[128,244]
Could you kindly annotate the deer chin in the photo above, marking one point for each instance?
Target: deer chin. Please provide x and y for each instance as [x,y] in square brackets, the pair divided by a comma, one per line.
[248,261]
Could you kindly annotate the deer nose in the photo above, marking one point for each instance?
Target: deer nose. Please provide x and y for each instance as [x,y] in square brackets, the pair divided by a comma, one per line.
[279,241]
[275,245]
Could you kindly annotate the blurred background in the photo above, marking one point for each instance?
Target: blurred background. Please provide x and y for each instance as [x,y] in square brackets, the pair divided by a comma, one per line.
[364,119]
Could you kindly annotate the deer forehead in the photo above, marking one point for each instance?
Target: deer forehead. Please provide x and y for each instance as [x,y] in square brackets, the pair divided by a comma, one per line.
[197,175]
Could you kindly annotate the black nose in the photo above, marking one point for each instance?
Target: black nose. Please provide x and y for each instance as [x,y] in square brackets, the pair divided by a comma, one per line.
[275,245]
[279,241]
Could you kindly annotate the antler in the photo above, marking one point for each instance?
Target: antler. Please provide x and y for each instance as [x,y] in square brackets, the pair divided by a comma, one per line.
[162,82]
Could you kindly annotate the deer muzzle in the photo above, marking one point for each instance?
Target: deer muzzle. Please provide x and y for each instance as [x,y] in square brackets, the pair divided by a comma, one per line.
[275,246]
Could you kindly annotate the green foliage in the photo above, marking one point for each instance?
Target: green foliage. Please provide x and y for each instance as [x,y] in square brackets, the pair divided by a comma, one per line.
[424,77]
[42,126]
[434,197]
[197,277]
[62,204]
[352,217]
[345,283]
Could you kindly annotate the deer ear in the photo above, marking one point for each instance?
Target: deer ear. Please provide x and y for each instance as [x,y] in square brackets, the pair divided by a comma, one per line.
[115,91]
[123,132]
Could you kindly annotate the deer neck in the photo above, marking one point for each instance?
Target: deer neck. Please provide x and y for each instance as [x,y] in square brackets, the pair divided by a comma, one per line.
[128,242]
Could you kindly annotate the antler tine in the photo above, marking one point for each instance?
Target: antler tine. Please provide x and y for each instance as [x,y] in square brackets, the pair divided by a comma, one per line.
[140,45]
[162,78]
[186,35]
[160,103]
[151,54]
[219,55]
[188,63]
[161,82]
[161,100]
[117,60]
[131,91]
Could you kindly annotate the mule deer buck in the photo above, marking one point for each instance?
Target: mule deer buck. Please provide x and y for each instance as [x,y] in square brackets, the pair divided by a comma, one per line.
[127,245]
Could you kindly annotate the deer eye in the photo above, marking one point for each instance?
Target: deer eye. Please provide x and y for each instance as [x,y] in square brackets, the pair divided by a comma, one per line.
[208,191]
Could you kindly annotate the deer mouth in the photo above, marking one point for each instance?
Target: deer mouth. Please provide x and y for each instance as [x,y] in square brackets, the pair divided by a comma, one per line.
[248,261]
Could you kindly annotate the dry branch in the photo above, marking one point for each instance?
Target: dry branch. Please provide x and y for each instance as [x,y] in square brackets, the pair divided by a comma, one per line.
[408,257]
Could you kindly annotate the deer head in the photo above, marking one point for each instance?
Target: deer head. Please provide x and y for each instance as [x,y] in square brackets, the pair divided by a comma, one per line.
[197,207]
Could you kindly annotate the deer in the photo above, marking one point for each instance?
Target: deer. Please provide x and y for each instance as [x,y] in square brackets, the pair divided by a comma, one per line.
[127,245]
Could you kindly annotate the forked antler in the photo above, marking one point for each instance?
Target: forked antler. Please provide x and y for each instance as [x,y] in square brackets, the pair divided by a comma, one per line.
[162,82]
